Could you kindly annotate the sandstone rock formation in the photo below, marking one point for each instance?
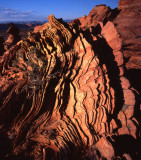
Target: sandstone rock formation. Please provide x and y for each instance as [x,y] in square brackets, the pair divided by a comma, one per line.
[128,2]
[127,22]
[13,38]
[64,95]
[128,25]
[126,18]
[99,13]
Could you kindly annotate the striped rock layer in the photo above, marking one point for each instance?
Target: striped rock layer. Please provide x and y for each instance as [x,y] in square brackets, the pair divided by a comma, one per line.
[64,95]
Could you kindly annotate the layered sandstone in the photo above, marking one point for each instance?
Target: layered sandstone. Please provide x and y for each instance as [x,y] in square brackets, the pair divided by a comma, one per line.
[126,18]
[64,95]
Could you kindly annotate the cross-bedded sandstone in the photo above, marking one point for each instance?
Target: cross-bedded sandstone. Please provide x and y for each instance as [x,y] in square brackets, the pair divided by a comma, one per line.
[64,94]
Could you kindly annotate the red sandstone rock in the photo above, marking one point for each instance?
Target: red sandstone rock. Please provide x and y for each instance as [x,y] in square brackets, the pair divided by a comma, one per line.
[97,14]
[105,148]
[125,83]
[64,90]
[129,97]
[128,26]
[119,58]
[127,2]
[38,28]
[128,110]
[121,71]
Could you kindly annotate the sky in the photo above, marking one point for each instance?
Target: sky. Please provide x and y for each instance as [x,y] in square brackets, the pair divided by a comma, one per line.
[30,10]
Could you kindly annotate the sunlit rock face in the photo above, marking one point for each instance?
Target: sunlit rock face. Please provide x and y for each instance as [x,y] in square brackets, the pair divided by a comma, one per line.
[64,95]
[98,14]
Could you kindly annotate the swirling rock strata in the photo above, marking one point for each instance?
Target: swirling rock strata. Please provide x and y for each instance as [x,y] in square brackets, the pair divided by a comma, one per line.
[64,94]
